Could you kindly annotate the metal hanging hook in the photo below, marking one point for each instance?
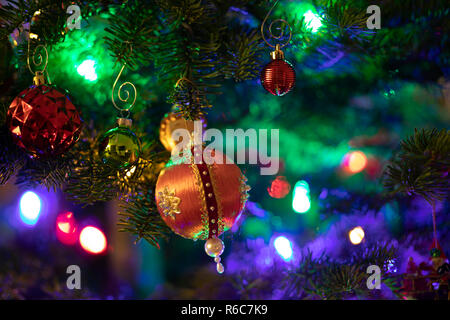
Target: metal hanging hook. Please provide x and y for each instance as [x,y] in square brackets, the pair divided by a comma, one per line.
[180,82]
[281,30]
[125,112]
[37,57]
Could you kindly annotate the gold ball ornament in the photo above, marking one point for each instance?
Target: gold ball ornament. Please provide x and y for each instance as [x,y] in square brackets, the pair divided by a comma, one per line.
[171,122]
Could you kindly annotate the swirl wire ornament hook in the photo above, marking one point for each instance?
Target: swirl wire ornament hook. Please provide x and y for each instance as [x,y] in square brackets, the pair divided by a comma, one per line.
[124,112]
[179,83]
[37,57]
[281,31]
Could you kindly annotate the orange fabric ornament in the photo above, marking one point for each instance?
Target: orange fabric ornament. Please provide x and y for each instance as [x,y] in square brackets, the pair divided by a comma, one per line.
[200,200]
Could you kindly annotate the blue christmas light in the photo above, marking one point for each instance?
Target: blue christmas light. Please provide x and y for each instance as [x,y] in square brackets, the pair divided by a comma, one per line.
[30,208]
[283,247]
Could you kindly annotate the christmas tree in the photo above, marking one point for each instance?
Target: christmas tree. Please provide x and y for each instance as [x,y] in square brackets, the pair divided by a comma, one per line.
[353,98]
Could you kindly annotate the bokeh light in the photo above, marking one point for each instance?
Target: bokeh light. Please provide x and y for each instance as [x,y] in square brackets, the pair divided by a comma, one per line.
[30,208]
[283,247]
[300,200]
[390,266]
[93,240]
[131,171]
[355,161]
[279,188]
[87,70]
[312,21]
[356,235]
[66,228]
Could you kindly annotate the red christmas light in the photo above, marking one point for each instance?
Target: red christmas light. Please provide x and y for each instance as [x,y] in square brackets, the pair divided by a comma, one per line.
[354,162]
[279,188]
[93,240]
[66,228]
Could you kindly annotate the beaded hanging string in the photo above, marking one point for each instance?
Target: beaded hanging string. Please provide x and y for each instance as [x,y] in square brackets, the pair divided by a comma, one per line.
[213,246]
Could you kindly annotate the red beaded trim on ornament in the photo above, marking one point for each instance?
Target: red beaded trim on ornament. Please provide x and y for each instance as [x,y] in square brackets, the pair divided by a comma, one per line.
[211,201]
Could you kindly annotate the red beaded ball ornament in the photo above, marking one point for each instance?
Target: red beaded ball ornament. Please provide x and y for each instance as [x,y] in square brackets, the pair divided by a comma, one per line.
[43,121]
[278,76]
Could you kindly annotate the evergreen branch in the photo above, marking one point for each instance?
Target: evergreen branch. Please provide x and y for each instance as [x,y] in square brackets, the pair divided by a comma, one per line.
[242,58]
[189,101]
[300,283]
[341,280]
[379,255]
[192,54]
[344,16]
[49,24]
[421,166]
[52,173]
[135,25]
[324,278]
[139,216]
[91,181]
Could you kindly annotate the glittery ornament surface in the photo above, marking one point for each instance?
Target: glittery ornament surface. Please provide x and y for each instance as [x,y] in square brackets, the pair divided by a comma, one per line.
[120,147]
[169,203]
[43,121]
[278,77]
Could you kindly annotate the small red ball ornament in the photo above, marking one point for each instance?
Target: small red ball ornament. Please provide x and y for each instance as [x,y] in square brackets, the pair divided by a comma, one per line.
[198,200]
[43,121]
[278,76]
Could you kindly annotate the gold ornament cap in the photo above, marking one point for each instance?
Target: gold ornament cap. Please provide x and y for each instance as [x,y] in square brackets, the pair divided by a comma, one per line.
[277,54]
[38,78]
[124,122]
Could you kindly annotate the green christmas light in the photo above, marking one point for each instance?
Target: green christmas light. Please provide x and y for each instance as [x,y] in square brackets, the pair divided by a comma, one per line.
[300,201]
[87,70]
[312,20]
[300,9]
[83,66]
